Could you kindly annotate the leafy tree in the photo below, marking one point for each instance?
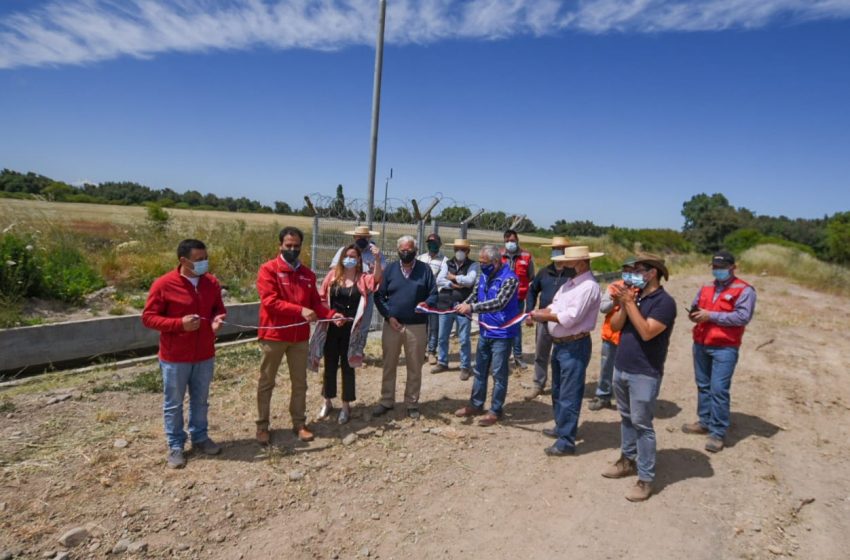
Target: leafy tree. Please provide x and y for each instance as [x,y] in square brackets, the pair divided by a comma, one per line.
[454,214]
[579,227]
[282,207]
[709,219]
[838,237]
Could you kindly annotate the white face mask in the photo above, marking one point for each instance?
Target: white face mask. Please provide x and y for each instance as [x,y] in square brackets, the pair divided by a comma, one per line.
[460,256]
[511,246]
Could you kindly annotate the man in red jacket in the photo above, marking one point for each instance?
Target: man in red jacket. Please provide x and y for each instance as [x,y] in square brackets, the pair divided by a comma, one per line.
[185,307]
[288,297]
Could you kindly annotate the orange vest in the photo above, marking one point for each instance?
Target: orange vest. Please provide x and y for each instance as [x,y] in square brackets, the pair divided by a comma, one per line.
[520,267]
[607,332]
[712,334]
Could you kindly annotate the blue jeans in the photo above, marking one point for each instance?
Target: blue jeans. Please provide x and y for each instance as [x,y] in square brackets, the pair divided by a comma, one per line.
[713,368]
[636,395]
[569,367]
[518,343]
[463,325]
[542,355]
[176,377]
[606,371]
[491,352]
[433,332]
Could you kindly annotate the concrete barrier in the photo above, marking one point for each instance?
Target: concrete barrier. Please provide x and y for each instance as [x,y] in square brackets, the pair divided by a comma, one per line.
[76,340]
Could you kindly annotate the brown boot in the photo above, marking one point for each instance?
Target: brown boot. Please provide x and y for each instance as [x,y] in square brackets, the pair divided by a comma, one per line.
[488,420]
[622,468]
[468,411]
[640,492]
[263,436]
[303,433]
[695,428]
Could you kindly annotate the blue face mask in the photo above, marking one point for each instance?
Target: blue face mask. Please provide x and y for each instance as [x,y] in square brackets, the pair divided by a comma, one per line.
[511,246]
[638,281]
[721,274]
[487,269]
[557,253]
[627,278]
[349,262]
[200,267]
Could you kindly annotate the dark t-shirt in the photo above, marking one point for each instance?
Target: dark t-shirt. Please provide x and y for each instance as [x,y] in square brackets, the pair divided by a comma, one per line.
[634,355]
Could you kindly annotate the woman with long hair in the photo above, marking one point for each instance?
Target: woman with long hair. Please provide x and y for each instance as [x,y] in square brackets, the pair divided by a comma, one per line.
[348,290]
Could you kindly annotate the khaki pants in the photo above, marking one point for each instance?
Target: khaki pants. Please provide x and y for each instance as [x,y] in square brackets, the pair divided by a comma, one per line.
[296,359]
[412,339]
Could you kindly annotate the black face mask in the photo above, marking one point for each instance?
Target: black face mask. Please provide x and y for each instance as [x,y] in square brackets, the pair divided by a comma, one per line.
[407,257]
[569,272]
[362,243]
[290,255]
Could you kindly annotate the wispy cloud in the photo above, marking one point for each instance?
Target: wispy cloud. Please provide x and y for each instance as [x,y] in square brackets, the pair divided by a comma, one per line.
[83,31]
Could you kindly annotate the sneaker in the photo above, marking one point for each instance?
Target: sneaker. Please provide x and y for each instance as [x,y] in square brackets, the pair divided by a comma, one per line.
[432,359]
[714,444]
[344,416]
[465,373]
[413,413]
[533,393]
[325,411]
[598,403]
[640,492]
[175,459]
[207,447]
[622,468]
[694,428]
[263,436]
[439,368]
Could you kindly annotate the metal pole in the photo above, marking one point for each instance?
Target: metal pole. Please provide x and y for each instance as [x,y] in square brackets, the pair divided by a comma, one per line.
[384,217]
[314,243]
[376,108]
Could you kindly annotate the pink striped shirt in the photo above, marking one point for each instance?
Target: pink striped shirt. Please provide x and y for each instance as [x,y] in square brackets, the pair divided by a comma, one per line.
[576,304]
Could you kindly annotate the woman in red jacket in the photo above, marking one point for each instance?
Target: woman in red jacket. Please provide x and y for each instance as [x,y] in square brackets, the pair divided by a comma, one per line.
[185,307]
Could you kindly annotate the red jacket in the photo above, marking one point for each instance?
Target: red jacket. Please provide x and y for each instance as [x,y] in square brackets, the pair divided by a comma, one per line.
[171,297]
[712,334]
[284,292]
[520,264]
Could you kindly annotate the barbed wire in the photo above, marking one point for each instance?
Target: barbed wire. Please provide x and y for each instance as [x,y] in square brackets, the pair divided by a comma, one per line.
[405,210]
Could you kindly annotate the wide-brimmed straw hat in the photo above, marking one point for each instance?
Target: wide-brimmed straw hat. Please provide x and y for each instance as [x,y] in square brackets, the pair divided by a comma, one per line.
[558,242]
[461,244]
[361,230]
[655,261]
[576,253]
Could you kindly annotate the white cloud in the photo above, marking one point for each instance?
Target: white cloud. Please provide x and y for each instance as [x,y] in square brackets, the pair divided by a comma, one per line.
[83,31]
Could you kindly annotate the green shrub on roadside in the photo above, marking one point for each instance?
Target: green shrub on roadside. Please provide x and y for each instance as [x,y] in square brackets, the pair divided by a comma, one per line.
[19,273]
[67,276]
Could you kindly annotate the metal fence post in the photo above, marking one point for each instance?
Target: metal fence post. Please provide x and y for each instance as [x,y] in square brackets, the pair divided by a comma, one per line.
[463,230]
[420,235]
[314,243]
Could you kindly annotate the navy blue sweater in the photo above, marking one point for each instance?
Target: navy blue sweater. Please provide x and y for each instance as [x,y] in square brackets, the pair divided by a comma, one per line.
[545,284]
[398,296]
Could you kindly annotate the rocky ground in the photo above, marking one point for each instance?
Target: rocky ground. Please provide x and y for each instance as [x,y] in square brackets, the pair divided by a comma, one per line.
[83,473]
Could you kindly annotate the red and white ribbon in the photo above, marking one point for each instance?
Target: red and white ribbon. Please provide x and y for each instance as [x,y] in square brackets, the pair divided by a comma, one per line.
[258,327]
[425,308]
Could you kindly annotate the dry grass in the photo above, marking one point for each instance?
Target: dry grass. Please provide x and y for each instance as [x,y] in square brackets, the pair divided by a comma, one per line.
[797,266]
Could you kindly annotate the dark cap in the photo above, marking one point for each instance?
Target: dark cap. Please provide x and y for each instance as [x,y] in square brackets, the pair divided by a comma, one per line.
[434,237]
[723,258]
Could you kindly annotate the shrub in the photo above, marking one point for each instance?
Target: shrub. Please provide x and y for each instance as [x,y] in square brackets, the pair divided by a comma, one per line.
[67,276]
[739,241]
[19,273]
[653,240]
[799,266]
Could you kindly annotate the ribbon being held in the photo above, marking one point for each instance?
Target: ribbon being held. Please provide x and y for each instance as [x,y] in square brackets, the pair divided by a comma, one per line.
[257,327]
[425,308]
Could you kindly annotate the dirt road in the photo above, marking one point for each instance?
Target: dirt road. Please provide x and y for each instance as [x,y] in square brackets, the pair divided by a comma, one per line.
[443,488]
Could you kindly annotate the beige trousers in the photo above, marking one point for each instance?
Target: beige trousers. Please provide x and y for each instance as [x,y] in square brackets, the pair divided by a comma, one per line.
[412,339]
[296,359]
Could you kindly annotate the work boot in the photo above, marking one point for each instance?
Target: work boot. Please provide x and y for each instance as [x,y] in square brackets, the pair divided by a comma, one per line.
[439,368]
[598,403]
[175,458]
[695,428]
[465,373]
[622,468]
[533,393]
[714,444]
[207,447]
[640,492]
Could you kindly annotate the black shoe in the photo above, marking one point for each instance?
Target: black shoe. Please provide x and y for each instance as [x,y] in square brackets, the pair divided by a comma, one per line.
[598,403]
[550,432]
[555,452]
[380,410]
[413,413]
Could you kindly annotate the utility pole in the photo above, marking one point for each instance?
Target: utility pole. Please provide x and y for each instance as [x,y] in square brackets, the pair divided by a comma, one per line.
[376,108]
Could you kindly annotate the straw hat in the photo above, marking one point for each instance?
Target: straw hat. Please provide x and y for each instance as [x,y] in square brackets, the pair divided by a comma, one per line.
[576,253]
[655,261]
[461,244]
[361,230]
[558,242]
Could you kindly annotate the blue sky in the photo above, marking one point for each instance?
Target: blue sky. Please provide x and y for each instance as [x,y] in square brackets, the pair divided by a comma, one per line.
[615,111]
